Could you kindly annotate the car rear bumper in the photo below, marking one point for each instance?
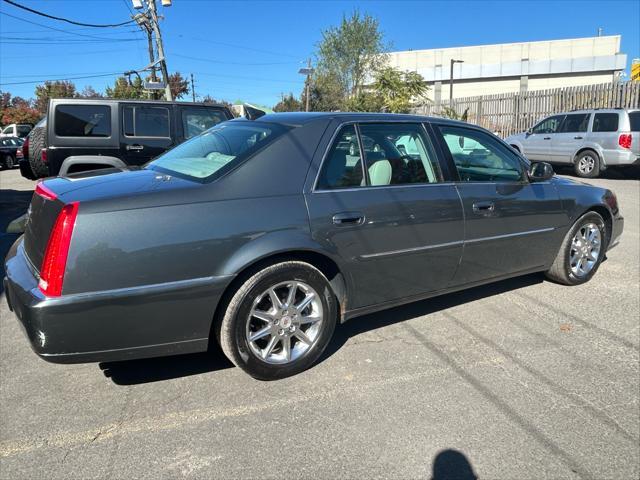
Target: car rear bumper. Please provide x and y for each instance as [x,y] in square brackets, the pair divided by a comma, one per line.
[148,321]
[620,157]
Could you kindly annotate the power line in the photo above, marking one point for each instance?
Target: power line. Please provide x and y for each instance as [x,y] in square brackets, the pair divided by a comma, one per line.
[241,47]
[224,62]
[53,28]
[73,22]
[61,79]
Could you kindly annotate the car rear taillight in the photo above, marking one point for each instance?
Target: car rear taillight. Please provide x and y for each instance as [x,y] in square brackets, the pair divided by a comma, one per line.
[43,155]
[43,191]
[624,140]
[19,153]
[25,148]
[54,263]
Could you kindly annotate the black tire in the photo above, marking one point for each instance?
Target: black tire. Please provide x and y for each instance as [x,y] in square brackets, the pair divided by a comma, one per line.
[9,163]
[587,164]
[231,330]
[36,144]
[561,270]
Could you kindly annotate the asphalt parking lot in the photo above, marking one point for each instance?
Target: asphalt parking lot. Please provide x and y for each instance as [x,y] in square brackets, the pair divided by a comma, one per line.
[520,379]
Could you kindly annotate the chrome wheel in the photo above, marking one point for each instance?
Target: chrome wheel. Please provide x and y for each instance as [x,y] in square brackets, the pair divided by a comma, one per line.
[285,322]
[586,164]
[585,249]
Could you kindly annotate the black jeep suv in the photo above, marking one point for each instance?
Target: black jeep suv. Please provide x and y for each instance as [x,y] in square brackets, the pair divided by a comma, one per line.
[86,134]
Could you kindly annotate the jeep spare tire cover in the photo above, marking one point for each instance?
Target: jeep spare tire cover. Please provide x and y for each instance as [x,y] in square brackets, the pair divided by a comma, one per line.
[36,144]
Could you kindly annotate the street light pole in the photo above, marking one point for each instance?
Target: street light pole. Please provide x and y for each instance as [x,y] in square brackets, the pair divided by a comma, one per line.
[451,81]
[308,72]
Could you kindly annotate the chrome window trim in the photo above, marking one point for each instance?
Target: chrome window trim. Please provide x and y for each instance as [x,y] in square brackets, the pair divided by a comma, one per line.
[451,244]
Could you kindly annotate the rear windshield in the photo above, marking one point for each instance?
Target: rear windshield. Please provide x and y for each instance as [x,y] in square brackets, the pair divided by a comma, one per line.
[225,145]
[634,120]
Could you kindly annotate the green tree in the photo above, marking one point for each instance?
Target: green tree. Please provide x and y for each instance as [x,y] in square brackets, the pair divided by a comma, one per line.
[179,85]
[123,89]
[17,110]
[352,52]
[89,92]
[56,89]
[392,91]
[325,94]
[289,103]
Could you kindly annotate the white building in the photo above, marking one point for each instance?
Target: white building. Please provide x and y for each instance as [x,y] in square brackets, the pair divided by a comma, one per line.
[515,67]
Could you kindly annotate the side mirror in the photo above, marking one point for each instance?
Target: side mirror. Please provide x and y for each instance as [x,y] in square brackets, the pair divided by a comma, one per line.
[528,132]
[540,172]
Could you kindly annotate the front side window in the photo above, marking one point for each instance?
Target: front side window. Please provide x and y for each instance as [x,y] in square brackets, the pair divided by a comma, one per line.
[210,154]
[197,120]
[403,154]
[549,125]
[575,123]
[479,157]
[83,121]
[143,121]
[605,122]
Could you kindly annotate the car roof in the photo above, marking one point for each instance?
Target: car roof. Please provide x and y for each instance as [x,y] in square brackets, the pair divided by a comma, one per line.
[300,118]
[107,100]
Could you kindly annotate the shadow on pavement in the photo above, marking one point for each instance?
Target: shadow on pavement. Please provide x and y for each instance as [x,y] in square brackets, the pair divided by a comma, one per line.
[452,465]
[425,307]
[13,203]
[132,372]
[612,173]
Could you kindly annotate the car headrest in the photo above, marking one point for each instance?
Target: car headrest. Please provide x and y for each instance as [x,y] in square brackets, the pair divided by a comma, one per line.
[380,173]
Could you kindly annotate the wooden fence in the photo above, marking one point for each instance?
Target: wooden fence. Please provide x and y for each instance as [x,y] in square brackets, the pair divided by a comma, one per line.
[510,113]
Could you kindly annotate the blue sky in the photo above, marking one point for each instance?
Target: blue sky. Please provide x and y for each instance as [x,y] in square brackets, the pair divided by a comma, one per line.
[252,50]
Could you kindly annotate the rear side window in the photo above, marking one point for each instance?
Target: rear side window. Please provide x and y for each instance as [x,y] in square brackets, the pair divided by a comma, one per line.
[634,120]
[605,122]
[197,120]
[343,166]
[83,121]
[577,122]
[144,121]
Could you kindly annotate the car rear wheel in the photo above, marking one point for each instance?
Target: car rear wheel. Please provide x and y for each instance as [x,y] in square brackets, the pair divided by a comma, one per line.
[8,162]
[587,165]
[279,321]
[36,144]
[582,251]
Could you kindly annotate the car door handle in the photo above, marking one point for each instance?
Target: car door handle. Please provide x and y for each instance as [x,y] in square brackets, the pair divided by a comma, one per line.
[578,138]
[348,218]
[483,208]
[547,138]
[135,147]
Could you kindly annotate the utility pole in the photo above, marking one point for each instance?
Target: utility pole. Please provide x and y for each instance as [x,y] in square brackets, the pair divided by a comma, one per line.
[193,89]
[451,81]
[163,61]
[143,22]
[308,72]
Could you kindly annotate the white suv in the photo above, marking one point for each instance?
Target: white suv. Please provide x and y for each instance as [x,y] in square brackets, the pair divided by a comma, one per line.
[590,140]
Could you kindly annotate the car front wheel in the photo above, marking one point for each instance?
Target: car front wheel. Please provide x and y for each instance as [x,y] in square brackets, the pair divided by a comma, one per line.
[8,162]
[279,321]
[582,251]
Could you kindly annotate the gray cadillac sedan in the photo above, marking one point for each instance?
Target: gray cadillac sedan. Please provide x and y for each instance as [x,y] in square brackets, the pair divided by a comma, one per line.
[263,234]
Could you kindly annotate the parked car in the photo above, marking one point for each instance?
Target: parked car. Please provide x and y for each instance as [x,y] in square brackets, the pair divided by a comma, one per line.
[10,151]
[112,133]
[263,234]
[16,130]
[590,140]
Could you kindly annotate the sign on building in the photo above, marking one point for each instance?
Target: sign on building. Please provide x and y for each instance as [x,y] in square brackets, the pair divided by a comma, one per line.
[635,70]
